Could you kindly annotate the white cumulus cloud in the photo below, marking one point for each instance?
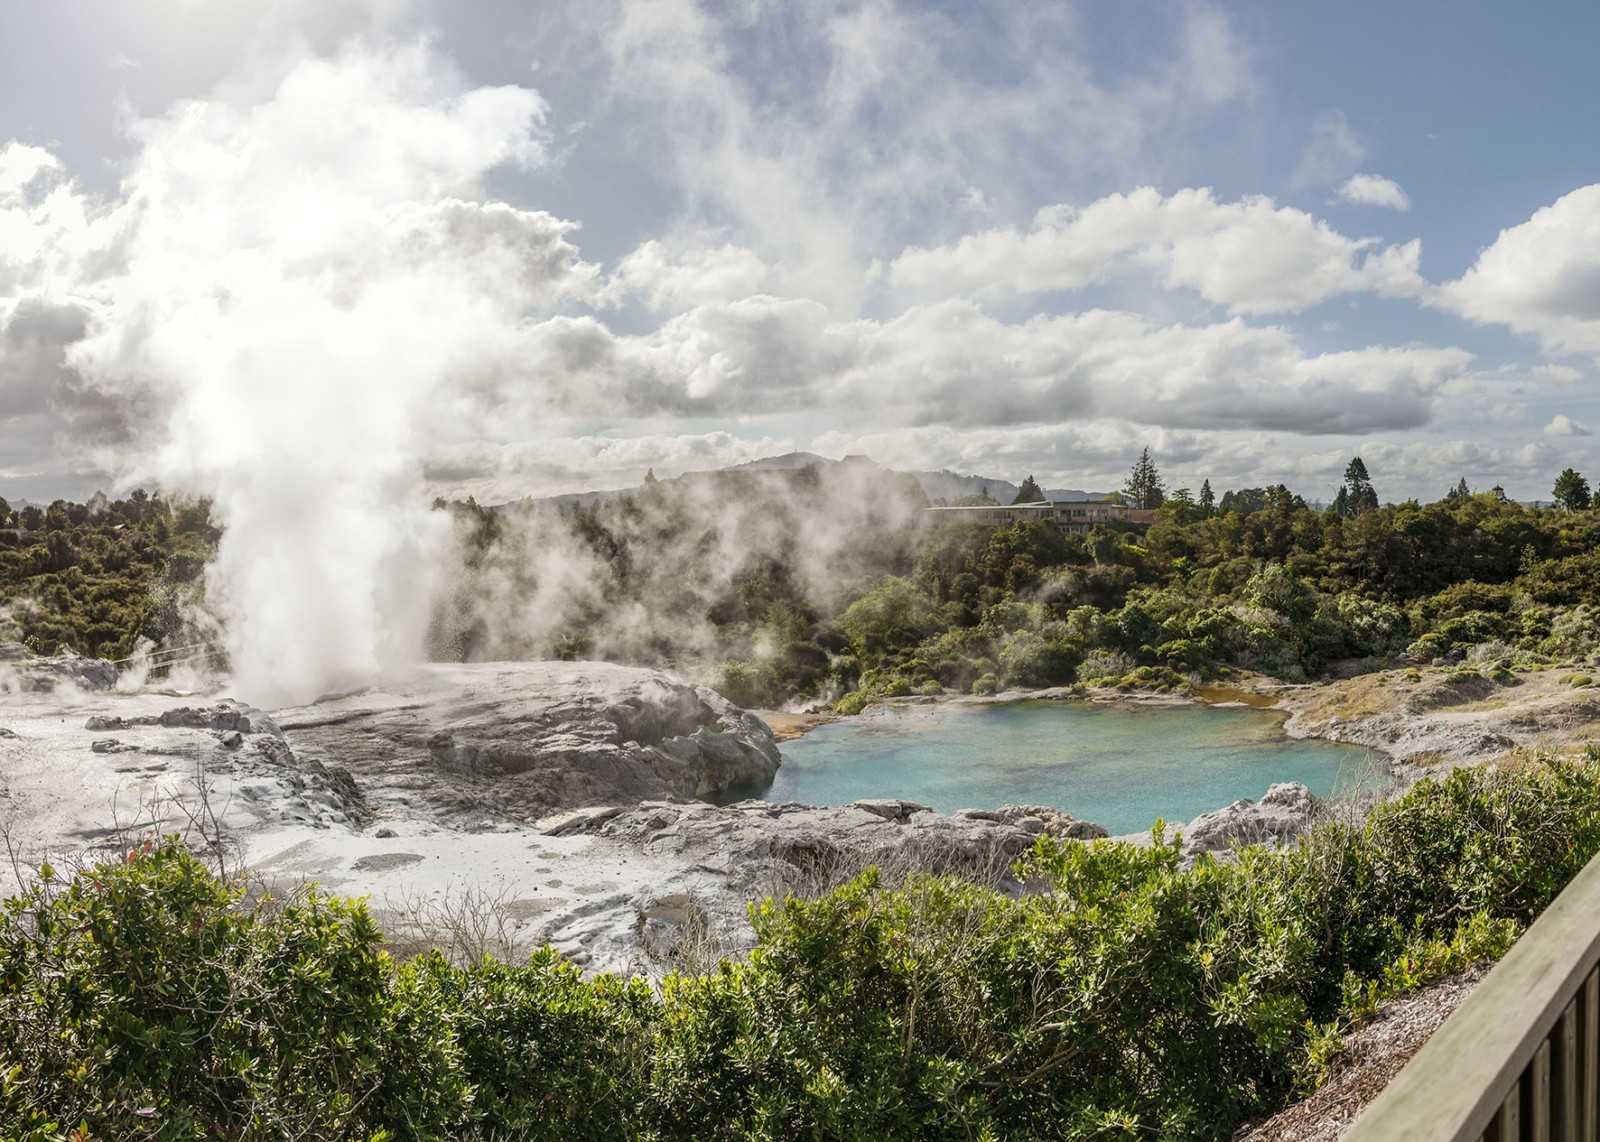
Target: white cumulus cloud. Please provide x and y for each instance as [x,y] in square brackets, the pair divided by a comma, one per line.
[1374,190]
[1540,277]
[1563,425]
[1250,256]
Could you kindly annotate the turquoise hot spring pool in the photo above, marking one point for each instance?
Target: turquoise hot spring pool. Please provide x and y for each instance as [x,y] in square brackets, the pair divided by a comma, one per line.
[1120,767]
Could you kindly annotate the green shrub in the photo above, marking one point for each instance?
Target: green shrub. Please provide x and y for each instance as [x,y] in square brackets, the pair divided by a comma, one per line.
[1152,678]
[1135,998]
[852,703]
[1028,659]
[143,1001]
[985,684]
[747,684]
[894,687]
[1103,667]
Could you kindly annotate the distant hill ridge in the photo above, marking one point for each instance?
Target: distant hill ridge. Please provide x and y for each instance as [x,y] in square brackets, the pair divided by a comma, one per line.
[936,485]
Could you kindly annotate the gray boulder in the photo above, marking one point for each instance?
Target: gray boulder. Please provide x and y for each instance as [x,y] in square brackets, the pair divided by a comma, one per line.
[43,674]
[1036,819]
[1284,813]
[226,717]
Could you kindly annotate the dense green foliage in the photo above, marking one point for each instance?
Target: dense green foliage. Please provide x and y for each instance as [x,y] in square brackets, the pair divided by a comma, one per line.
[95,578]
[825,584]
[1135,999]
[726,579]
[1279,588]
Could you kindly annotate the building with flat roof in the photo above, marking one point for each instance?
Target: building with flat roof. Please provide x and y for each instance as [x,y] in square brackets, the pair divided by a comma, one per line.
[1069,515]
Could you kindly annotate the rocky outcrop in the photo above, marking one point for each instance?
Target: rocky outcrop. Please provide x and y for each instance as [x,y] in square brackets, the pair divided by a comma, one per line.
[579,801]
[227,717]
[166,766]
[1038,819]
[1438,718]
[1284,813]
[722,857]
[517,741]
[22,670]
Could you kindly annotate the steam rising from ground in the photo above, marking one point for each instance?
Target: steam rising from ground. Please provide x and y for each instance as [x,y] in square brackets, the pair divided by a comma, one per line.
[681,573]
[292,286]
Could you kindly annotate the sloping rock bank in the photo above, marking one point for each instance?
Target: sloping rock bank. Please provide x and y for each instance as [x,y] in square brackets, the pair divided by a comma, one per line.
[516,741]
[25,672]
[1433,717]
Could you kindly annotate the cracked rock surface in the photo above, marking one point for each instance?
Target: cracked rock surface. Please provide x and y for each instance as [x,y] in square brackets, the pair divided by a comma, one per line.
[515,741]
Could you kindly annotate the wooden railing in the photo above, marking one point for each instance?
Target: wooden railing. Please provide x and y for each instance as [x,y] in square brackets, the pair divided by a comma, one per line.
[1520,1058]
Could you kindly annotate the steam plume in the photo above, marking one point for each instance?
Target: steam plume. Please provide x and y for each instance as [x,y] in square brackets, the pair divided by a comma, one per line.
[291,288]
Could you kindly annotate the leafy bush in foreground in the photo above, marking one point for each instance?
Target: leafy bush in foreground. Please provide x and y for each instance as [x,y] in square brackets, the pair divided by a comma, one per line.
[1135,999]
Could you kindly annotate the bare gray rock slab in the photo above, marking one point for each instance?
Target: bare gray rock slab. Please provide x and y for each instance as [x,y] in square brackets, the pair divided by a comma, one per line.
[521,740]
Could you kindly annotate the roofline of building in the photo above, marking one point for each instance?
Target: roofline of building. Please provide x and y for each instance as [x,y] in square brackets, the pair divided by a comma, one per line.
[1031,504]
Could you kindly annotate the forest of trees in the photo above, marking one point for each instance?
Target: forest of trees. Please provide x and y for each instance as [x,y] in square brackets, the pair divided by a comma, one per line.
[1261,581]
[825,585]
[1257,579]
[96,577]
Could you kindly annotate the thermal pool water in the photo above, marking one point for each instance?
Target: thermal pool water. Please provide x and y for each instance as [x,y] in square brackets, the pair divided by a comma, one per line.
[1120,767]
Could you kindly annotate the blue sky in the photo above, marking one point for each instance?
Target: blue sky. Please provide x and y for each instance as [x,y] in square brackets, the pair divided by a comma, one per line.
[1004,238]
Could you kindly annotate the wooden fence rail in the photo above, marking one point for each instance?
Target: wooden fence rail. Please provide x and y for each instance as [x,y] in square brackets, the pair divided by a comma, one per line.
[1519,1060]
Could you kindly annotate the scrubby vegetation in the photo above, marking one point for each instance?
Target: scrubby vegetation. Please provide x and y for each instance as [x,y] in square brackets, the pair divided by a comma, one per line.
[825,584]
[1258,580]
[97,577]
[1272,586]
[1136,999]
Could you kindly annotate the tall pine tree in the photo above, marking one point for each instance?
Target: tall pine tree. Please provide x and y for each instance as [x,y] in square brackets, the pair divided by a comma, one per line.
[1029,493]
[1144,488]
[1572,490]
[1208,498]
[1358,486]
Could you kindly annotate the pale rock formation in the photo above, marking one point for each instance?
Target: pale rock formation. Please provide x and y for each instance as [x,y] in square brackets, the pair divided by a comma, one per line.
[722,857]
[519,740]
[1285,812]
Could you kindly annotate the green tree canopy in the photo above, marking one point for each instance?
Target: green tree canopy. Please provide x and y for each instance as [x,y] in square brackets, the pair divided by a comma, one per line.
[1208,498]
[1362,497]
[1029,493]
[1145,488]
[1572,490]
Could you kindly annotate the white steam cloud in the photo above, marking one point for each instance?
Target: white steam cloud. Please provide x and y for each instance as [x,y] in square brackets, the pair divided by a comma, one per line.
[288,288]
